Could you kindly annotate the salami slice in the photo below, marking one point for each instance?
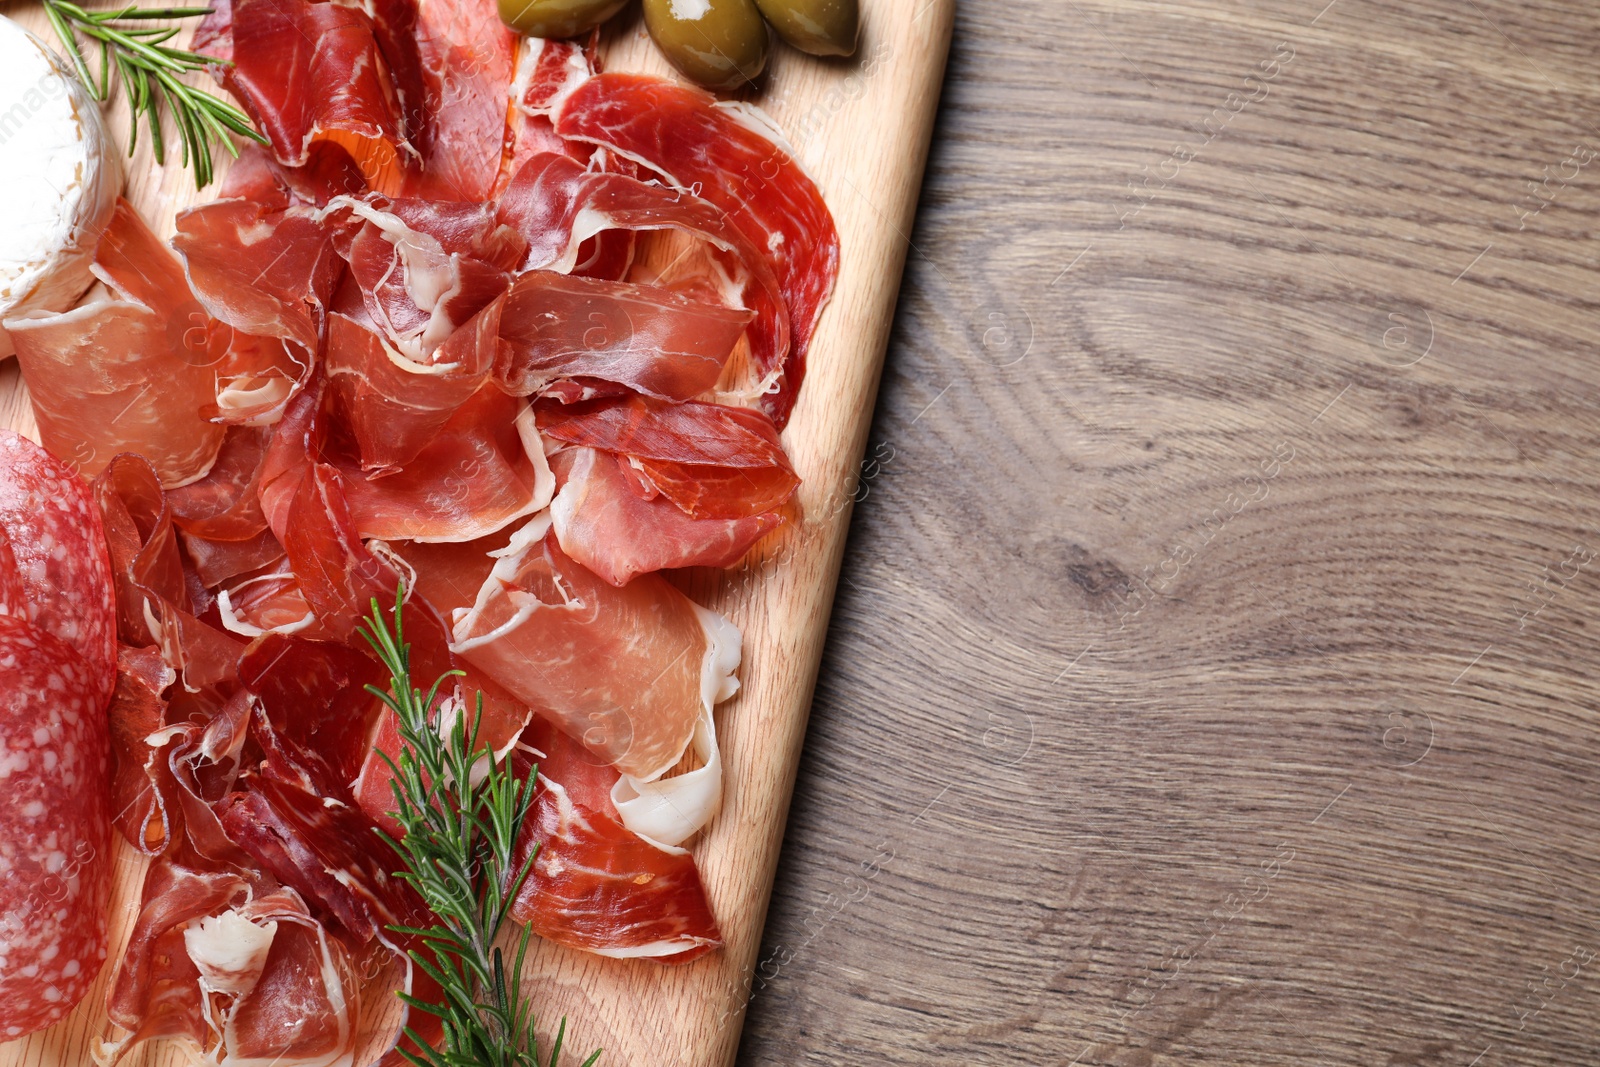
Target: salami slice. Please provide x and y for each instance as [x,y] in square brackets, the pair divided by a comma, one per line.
[59,547]
[55,829]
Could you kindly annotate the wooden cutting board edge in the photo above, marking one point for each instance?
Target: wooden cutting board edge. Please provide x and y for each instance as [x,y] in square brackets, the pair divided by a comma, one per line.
[862,129]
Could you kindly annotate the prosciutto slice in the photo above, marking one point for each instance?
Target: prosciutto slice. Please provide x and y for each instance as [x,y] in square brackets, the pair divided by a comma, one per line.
[467,54]
[625,671]
[597,885]
[734,157]
[310,72]
[604,520]
[133,374]
[713,462]
[557,327]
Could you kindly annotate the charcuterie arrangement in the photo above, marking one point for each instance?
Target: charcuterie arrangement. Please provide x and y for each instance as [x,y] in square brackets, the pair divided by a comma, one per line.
[475,350]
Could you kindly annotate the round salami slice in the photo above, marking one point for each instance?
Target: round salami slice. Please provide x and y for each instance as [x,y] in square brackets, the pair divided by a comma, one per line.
[55,828]
[59,546]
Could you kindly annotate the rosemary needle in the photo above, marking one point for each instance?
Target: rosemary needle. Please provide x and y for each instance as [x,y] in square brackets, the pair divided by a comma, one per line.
[148,69]
[460,810]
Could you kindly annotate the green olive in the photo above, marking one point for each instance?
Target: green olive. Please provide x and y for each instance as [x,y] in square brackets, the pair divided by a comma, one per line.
[722,44]
[557,18]
[821,27]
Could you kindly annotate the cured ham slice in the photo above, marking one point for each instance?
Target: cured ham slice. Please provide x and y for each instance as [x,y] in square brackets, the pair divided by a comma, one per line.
[653,340]
[224,505]
[713,462]
[313,712]
[417,282]
[326,850]
[559,206]
[604,521]
[484,470]
[267,271]
[625,671]
[546,71]
[310,72]
[155,599]
[54,568]
[733,156]
[141,802]
[467,54]
[337,575]
[393,406]
[156,991]
[55,828]
[133,374]
[237,969]
[597,885]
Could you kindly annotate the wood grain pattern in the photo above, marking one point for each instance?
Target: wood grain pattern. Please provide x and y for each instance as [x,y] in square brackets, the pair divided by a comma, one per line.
[1127,748]
[861,127]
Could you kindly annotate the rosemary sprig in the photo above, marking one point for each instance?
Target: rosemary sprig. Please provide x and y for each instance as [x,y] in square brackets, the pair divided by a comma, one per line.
[460,825]
[148,69]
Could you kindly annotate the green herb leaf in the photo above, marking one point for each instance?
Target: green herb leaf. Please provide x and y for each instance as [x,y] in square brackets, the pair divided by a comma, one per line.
[461,810]
[138,56]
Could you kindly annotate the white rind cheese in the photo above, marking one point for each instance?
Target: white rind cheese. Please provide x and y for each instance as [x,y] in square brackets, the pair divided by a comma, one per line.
[59,183]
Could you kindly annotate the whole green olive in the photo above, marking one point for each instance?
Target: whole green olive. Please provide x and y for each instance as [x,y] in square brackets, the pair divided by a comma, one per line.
[557,18]
[821,27]
[722,44]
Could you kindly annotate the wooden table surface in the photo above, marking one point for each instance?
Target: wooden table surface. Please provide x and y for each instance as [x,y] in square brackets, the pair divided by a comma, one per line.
[1215,672]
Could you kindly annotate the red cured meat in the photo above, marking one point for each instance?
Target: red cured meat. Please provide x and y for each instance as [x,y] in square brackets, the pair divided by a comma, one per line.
[623,670]
[223,505]
[713,462]
[142,804]
[215,562]
[483,470]
[604,523]
[466,55]
[336,573]
[555,326]
[57,556]
[558,205]
[155,992]
[55,849]
[417,285]
[326,850]
[155,596]
[546,70]
[134,374]
[596,885]
[313,712]
[718,150]
[287,996]
[263,271]
[393,409]
[314,71]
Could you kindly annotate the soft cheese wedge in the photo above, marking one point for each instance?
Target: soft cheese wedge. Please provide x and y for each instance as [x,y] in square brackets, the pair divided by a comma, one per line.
[59,183]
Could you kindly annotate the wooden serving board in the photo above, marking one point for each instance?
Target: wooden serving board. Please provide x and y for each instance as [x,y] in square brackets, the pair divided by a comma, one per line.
[861,128]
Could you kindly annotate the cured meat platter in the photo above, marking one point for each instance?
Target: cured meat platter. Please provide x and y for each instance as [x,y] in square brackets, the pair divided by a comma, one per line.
[860,128]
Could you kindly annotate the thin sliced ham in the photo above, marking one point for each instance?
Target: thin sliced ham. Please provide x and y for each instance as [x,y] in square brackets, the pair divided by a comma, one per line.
[132,374]
[734,157]
[310,72]
[712,461]
[556,327]
[625,671]
[605,522]
[597,885]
